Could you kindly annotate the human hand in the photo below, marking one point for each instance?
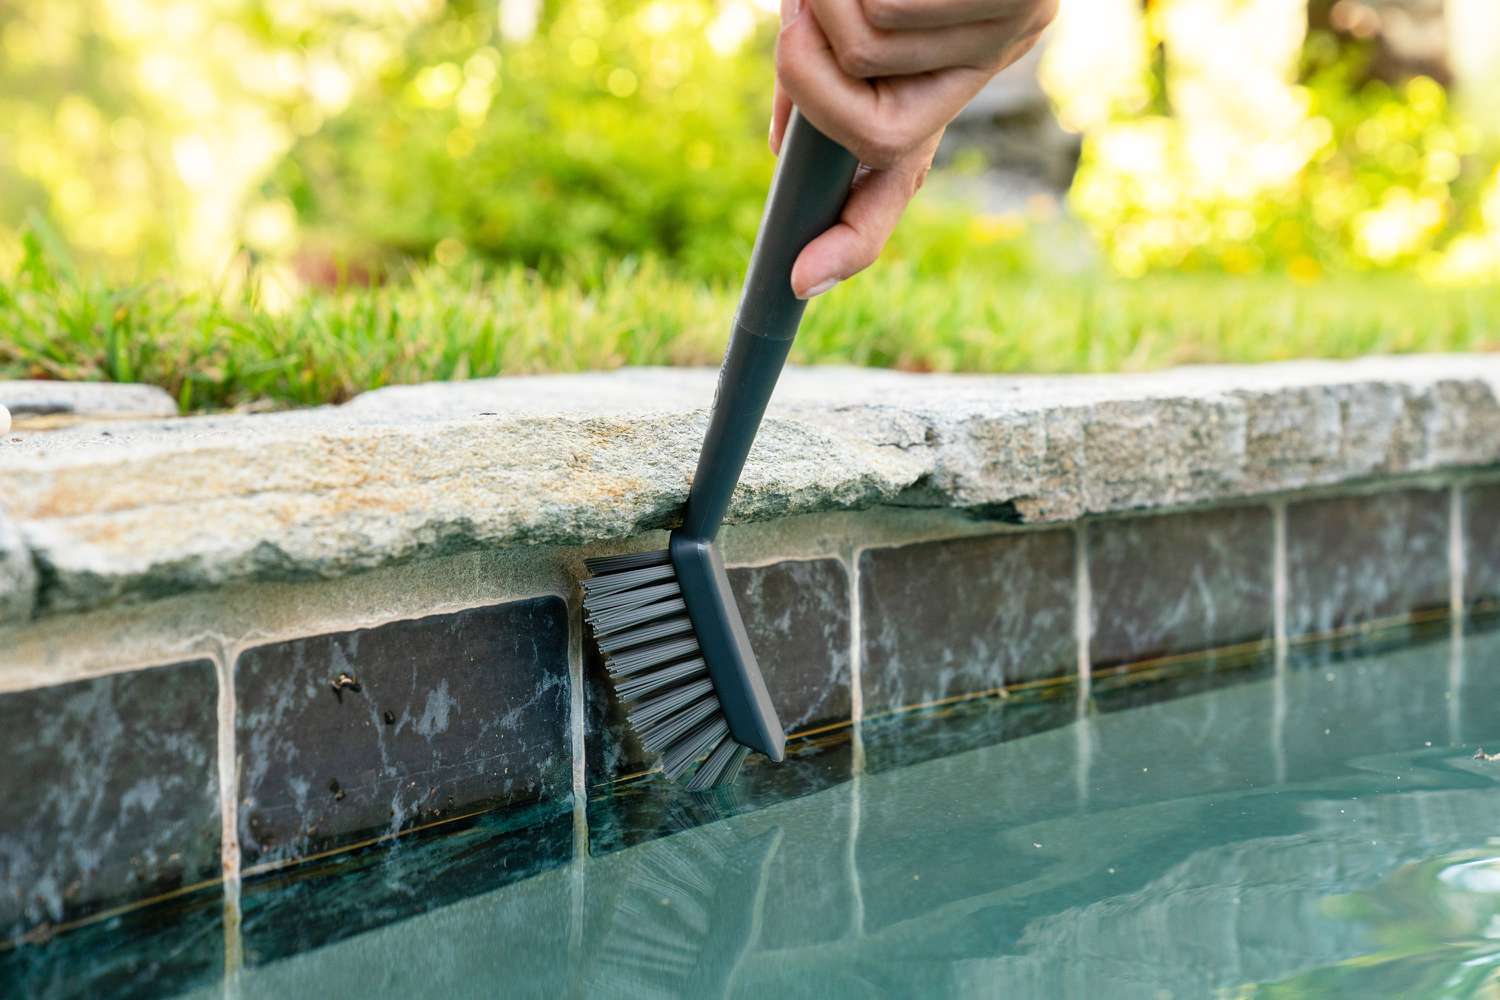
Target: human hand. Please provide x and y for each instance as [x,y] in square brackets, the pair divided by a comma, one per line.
[884,78]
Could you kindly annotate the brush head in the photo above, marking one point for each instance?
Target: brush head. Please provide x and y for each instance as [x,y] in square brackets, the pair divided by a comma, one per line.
[634,606]
[675,649]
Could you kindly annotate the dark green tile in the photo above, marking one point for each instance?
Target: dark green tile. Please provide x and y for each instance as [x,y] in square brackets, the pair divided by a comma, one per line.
[1482,544]
[109,792]
[1179,583]
[435,716]
[941,619]
[1356,559]
[797,614]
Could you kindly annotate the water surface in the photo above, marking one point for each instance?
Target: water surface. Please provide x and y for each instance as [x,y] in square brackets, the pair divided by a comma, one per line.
[1318,830]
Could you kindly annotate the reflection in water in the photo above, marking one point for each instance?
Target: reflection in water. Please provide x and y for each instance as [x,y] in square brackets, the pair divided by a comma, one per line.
[1189,848]
[1436,929]
[685,919]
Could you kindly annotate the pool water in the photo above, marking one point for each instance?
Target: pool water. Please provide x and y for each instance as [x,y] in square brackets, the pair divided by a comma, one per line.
[1322,829]
[1315,827]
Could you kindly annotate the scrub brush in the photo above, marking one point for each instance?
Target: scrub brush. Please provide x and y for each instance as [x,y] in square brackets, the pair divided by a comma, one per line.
[672,638]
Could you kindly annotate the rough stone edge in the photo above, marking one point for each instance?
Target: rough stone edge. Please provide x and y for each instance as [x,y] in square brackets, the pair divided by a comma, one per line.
[1008,453]
[39,397]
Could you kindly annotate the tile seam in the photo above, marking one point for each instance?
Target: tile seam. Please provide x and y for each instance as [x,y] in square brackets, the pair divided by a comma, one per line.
[1083,614]
[229,793]
[1279,581]
[1457,557]
[576,735]
[851,557]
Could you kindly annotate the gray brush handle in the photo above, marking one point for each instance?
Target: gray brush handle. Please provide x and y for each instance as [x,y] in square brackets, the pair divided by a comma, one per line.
[812,182]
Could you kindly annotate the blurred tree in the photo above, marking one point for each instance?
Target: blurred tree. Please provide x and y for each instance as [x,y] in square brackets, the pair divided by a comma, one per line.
[616,128]
[139,127]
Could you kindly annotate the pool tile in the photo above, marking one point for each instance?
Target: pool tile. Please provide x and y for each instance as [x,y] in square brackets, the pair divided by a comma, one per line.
[1180,583]
[1482,544]
[797,614]
[316,903]
[164,949]
[956,617]
[371,731]
[108,794]
[1356,559]
[798,617]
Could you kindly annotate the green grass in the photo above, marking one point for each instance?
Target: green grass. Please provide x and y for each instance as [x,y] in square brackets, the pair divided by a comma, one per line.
[212,351]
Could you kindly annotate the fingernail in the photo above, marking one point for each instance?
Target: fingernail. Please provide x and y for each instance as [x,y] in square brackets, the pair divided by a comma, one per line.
[819,288]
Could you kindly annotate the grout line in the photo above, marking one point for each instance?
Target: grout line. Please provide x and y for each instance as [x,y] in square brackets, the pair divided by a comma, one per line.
[1279,598]
[229,833]
[856,663]
[1456,572]
[1279,587]
[1083,629]
[1456,555]
[856,817]
[577,871]
[1083,613]
[1083,746]
[576,731]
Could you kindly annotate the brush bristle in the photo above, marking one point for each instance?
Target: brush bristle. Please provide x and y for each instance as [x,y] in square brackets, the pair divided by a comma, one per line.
[635,609]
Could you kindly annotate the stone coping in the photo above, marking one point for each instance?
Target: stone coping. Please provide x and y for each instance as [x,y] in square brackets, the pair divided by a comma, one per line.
[101,512]
[51,403]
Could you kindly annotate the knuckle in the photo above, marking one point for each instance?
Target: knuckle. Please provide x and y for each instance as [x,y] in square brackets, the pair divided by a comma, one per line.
[885,13]
[882,144]
[860,57]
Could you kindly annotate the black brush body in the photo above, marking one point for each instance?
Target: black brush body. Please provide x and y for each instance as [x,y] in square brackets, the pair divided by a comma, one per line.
[667,623]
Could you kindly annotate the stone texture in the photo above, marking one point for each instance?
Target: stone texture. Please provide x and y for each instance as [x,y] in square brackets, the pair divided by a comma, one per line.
[376,730]
[797,614]
[1482,544]
[1179,583]
[28,400]
[949,618]
[158,507]
[109,792]
[18,579]
[1356,559]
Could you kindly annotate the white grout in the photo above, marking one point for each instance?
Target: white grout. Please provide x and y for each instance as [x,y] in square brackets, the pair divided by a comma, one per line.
[856,792]
[576,712]
[1457,565]
[1279,588]
[856,662]
[229,793]
[1083,747]
[1083,613]
[1457,569]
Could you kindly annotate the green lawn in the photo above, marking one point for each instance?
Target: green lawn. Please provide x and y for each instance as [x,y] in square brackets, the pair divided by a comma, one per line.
[434,324]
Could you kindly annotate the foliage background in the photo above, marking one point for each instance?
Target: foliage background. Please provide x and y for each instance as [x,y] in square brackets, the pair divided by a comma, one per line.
[249,199]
